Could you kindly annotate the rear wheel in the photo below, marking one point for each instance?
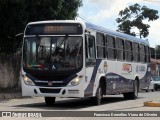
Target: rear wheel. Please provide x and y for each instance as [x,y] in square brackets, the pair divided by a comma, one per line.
[134,94]
[155,87]
[97,99]
[147,90]
[49,101]
[153,90]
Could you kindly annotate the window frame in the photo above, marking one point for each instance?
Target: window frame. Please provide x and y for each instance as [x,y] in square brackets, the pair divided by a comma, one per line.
[102,45]
[135,52]
[120,49]
[112,48]
[142,53]
[129,51]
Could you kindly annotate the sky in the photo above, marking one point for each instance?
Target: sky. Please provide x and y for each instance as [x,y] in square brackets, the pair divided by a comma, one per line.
[105,12]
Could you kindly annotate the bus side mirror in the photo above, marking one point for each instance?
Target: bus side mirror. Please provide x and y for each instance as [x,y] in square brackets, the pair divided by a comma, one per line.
[18,35]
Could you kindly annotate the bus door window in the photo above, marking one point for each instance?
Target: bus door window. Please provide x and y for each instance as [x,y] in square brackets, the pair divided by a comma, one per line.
[90,50]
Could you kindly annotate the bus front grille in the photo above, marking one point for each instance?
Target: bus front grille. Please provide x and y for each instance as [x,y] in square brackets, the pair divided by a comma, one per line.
[53,85]
[46,90]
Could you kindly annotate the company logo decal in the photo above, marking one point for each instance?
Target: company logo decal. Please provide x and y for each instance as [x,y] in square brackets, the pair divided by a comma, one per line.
[49,83]
[142,68]
[127,68]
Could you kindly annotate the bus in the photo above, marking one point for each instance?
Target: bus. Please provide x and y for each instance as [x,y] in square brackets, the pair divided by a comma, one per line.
[78,59]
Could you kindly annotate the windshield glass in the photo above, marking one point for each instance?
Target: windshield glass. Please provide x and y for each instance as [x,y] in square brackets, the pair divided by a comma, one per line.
[53,53]
[156,78]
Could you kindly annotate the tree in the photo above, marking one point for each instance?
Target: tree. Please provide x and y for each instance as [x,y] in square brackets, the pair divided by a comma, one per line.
[133,16]
[15,14]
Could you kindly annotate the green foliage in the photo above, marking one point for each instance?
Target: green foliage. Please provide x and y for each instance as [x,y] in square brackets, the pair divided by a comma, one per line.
[133,16]
[15,14]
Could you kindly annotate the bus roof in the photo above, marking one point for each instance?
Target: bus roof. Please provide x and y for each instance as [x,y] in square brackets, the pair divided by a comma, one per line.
[115,33]
[97,28]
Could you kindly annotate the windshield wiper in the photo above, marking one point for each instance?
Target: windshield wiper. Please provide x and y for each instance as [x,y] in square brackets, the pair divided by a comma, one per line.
[62,41]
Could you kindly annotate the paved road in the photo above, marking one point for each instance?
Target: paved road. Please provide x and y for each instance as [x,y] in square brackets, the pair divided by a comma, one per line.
[109,103]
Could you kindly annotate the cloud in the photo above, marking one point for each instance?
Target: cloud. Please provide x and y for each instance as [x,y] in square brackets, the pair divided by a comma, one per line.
[153,37]
[104,13]
[104,9]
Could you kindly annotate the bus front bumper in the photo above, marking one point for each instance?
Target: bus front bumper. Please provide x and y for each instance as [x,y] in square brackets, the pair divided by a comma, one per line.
[73,91]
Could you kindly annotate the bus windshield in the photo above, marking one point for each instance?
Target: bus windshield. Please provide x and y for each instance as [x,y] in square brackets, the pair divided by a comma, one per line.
[61,53]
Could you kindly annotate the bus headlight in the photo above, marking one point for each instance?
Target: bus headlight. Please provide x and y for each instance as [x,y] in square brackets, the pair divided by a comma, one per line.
[75,81]
[27,81]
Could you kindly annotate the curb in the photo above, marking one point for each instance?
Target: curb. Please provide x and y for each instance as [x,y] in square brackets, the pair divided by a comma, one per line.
[152,103]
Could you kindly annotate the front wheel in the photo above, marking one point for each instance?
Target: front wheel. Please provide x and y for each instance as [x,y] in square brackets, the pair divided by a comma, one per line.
[49,101]
[97,99]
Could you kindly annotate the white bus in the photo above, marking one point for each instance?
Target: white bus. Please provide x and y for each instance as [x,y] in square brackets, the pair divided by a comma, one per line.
[78,59]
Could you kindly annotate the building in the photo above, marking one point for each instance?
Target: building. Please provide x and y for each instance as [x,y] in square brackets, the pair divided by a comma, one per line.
[155,67]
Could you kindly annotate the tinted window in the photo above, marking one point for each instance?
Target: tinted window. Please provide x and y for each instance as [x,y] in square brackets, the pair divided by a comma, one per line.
[142,53]
[120,49]
[90,50]
[100,39]
[111,51]
[136,52]
[147,54]
[128,51]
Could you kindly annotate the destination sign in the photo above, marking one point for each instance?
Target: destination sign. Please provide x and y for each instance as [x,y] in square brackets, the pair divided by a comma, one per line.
[56,28]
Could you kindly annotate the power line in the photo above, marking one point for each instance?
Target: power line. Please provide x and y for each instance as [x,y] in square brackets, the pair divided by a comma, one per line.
[152,1]
[83,18]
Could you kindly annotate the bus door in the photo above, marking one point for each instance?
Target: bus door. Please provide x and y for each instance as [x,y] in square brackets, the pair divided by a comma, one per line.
[90,62]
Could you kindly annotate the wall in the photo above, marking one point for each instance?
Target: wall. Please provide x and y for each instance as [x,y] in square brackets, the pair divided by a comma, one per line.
[9,71]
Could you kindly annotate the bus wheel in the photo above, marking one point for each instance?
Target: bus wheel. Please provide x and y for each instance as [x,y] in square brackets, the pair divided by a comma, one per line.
[97,99]
[49,101]
[153,90]
[134,94]
[147,90]
[155,87]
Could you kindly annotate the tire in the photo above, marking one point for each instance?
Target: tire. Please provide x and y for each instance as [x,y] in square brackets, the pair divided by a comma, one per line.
[97,99]
[134,94]
[126,96]
[155,87]
[147,90]
[49,101]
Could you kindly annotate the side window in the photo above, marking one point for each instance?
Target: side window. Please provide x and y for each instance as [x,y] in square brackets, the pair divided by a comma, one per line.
[136,52]
[128,51]
[120,49]
[142,53]
[100,40]
[147,54]
[90,50]
[111,51]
